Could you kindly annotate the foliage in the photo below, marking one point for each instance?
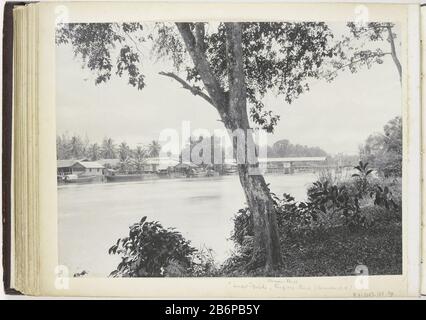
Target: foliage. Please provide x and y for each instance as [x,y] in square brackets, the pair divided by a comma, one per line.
[123,151]
[329,209]
[294,217]
[328,205]
[331,175]
[278,57]
[139,156]
[152,251]
[95,43]
[384,150]
[284,148]
[363,171]
[383,197]
[109,149]
[366,44]
[242,235]
[203,263]
[131,160]
[334,202]
[124,155]
[243,226]
[94,152]
[70,147]
[80,274]
[154,149]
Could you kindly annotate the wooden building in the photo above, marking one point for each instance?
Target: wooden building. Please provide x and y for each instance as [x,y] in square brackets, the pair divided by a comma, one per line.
[79,168]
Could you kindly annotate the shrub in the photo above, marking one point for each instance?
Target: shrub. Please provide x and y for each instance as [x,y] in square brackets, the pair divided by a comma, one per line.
[362,202]
[242,235]
[152,251]
[203,263]
[384,150]
[363,172]
[243,226]
[295,218]
[383,197]
[328,205]
[239,259]
[332,176]
[395,188]
[336,203]
[374,213]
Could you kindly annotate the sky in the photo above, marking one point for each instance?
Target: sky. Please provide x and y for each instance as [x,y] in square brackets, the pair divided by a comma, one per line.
[336,116]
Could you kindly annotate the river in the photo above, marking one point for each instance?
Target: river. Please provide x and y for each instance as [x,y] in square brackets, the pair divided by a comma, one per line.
[93,216]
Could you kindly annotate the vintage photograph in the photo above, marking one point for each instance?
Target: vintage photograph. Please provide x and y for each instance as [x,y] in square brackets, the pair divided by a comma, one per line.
[229,149]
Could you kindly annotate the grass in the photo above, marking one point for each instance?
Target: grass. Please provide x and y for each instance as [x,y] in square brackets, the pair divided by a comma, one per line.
[338,252]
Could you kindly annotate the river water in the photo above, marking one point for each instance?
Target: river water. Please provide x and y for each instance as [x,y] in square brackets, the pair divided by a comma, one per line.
[93,216]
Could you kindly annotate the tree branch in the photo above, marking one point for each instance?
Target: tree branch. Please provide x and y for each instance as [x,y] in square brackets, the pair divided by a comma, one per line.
[130,38]
[354,62]
[211,83]
[393,51]
[196,91]
[369,28]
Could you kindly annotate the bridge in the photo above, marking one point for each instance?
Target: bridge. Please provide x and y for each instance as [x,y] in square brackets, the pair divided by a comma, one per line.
[290,164]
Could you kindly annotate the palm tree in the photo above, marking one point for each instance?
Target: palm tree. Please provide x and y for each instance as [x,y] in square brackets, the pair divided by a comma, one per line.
[94,152]
[63,147]
[154,149]
[139,155]
[123,151]
[76,147]
[108,148]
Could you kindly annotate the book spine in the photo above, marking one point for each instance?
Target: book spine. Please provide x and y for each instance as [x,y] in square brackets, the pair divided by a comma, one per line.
[7,101]
[423,145]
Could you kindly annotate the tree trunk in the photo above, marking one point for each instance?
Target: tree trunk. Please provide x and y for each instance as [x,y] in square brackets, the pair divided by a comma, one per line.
[266,245]
[232,107]
[266,249]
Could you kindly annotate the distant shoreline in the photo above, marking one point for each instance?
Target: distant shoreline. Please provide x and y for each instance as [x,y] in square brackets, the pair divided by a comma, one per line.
[183,179]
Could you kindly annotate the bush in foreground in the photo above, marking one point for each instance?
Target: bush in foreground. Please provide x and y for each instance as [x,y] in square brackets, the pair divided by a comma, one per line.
[153,251]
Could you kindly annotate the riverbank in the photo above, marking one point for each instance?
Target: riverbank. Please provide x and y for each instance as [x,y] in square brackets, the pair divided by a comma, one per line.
[119,178]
